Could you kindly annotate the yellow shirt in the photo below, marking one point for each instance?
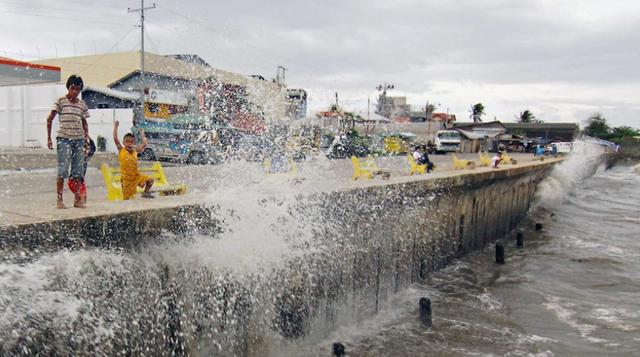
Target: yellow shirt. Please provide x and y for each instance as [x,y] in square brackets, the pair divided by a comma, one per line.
[128,163]
[131,177]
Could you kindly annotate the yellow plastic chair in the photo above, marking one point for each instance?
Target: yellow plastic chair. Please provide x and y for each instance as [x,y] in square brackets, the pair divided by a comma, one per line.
[485,160]
[113,182]
[359,171]
[414,167]
[506,159]
[461,164]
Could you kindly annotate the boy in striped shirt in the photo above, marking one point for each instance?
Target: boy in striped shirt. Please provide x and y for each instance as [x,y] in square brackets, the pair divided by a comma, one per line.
[73,130]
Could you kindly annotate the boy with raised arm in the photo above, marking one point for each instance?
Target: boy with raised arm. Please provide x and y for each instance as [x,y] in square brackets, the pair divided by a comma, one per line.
[128,156]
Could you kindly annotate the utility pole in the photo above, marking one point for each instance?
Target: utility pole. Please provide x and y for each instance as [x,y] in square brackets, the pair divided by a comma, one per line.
[426,118]
[142,79]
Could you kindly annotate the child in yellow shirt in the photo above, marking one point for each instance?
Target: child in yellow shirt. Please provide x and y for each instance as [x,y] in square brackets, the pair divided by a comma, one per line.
[128,155]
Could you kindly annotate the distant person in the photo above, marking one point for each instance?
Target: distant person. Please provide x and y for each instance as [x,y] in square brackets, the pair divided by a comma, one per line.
[73,131]
[496,160]
[538,152]
[128,155]
[554,150]
[89,150]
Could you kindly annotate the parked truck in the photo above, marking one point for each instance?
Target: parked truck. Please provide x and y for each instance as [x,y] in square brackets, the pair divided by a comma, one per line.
[447,141]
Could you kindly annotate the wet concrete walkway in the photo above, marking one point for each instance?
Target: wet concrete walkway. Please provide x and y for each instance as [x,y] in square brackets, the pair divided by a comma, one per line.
[28,196]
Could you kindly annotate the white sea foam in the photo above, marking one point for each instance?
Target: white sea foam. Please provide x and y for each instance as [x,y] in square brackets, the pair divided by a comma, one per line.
[616,318]
[582,162]
[258,231]
[25,289]
[565,311]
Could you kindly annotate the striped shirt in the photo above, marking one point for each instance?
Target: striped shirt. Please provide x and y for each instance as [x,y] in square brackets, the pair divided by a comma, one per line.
[70,116]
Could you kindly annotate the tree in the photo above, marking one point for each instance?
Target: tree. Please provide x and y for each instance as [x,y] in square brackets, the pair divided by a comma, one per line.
[526,117]
[477,111]
[597,127]
[621,132]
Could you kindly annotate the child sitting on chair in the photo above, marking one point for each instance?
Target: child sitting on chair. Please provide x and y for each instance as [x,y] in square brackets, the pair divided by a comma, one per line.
[421,157]
[496,160]
[128,155]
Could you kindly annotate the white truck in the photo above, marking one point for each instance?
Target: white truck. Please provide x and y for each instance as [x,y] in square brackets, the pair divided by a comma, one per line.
[447,141]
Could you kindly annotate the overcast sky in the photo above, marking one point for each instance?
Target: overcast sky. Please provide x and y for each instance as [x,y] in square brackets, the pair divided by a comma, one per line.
[562,59]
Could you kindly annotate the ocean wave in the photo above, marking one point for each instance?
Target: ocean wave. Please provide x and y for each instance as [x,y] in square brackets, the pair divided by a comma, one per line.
[565,312]
[616,318]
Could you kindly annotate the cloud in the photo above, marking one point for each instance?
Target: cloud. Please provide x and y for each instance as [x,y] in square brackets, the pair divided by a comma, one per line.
[563,59]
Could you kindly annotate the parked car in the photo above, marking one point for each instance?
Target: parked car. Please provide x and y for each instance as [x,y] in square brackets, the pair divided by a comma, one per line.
[191,147]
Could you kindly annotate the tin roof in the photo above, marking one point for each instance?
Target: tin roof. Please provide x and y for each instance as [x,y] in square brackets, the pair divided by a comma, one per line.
[106,69]
[13,72]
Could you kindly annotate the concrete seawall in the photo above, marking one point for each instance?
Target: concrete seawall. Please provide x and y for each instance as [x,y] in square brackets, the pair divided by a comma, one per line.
[368,241]
[384,238]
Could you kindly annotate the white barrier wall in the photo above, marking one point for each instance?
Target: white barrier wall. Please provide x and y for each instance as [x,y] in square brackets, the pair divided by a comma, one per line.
[101,124]
[23,113]
[24,110]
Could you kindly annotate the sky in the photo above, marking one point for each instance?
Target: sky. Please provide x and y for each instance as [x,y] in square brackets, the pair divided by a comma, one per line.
[563,60]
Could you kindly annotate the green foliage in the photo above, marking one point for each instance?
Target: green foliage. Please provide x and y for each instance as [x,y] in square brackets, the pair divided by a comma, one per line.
[621,132]
[598,127]
[477,111]
[526,117]
[357,139]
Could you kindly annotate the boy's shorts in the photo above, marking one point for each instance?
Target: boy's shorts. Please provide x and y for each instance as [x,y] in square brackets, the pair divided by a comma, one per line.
[130,187]
[70,158]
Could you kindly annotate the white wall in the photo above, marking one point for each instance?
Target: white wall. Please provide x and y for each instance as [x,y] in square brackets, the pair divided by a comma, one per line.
[101,124]
[23,113]
[24,110]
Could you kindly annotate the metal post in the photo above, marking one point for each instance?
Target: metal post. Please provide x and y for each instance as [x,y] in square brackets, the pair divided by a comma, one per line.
[338,349]
[499,254]
[425,311]
[426,117]
[142,77]
[520,239]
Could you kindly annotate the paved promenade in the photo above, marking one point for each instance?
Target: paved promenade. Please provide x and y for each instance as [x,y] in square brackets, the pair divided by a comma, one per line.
[28,196]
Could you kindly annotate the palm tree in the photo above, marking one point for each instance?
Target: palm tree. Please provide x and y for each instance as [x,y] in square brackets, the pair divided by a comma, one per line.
[526,117]
[477,111]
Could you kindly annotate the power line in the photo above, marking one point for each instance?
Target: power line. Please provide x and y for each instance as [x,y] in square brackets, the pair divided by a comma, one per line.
[92,4]
[213,31]
[93,13]
[65,18]
[152,42]
[112,47]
